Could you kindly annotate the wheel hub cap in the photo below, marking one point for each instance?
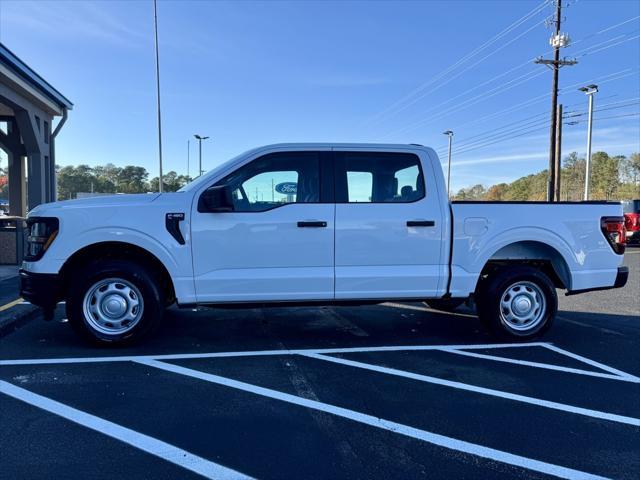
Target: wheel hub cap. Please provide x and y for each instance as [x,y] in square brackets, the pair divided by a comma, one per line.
[113,306]
[522,306]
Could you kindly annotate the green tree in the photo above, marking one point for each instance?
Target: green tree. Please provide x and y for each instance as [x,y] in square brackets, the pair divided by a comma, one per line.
[605,175]
[497,192]
[132,179]
[572,178]
[171,182]
[72,180]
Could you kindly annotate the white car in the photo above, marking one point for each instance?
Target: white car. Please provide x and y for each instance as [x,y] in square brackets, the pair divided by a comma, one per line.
[316,224]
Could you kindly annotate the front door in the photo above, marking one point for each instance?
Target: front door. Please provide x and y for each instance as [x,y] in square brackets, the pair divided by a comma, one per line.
[389,227]
[278,242]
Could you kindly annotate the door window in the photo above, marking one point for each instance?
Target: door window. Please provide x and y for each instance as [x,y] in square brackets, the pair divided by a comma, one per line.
[275,180]
[374,177]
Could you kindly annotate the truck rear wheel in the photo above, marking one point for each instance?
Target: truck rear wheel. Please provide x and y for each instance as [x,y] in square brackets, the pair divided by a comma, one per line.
[114,302]
[517,303]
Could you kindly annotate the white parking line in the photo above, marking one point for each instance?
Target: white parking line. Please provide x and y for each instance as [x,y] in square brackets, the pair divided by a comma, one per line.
[138,440]
[485,391]
[593,363]
[186,356]
[547,366]
[426,436]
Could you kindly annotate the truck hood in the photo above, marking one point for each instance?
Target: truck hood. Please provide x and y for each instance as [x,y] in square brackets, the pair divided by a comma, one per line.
[96,202]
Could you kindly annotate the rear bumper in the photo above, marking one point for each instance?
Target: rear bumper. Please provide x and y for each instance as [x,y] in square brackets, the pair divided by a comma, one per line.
[621,281]
[41,289]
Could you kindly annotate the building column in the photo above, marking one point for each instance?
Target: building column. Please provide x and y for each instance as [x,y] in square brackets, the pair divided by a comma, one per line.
[35,180]
[17,198]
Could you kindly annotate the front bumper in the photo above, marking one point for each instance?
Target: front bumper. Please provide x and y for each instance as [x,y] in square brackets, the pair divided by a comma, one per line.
[41,289]
[621,280]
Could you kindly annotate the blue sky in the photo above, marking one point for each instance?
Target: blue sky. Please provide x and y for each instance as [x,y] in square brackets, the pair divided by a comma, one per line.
[251,73]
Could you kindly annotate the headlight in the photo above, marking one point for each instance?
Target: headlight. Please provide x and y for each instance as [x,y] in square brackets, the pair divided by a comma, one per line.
[41,231]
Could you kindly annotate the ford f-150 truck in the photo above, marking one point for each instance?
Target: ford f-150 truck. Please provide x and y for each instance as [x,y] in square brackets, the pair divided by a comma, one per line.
[316,224]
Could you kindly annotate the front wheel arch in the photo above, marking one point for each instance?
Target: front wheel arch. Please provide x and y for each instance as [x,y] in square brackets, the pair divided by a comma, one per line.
[117,251]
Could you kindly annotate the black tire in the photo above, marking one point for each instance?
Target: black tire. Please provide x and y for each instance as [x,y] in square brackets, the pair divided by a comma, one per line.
[445,304]
[531,288]
[127,283]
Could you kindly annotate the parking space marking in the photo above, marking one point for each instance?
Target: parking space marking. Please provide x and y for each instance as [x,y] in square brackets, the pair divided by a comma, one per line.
[423,435]
[253,353]
[593,363]
[12,304]
[138,440]
[547,366]
[482,390]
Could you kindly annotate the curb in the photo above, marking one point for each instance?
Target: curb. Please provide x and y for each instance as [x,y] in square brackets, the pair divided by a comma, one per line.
[14,318]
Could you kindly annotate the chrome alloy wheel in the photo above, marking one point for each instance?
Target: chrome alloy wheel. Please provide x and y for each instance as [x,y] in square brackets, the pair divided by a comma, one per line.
[113,306]
[522,306]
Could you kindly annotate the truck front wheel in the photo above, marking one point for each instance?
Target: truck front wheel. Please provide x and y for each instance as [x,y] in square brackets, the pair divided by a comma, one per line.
[517,303]
[113,302]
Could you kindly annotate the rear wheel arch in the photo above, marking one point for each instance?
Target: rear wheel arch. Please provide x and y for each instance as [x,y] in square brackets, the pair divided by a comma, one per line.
[118,251]
[534,254]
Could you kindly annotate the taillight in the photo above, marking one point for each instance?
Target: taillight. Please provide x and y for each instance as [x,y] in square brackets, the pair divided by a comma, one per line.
[614,231]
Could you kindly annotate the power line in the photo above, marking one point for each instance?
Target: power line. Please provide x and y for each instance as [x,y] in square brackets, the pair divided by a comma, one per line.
[469,102]
[450,79]
[519,133]
[535,119]
[465,58]
[520,106]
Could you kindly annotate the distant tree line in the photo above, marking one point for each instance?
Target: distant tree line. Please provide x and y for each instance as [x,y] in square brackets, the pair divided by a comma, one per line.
[111,179]
[612,178]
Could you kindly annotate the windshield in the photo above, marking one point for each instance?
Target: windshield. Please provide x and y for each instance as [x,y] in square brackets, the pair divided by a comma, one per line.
[196,182]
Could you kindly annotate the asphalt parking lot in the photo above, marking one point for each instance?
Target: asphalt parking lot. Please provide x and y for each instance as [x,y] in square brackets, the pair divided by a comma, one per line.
[389,391]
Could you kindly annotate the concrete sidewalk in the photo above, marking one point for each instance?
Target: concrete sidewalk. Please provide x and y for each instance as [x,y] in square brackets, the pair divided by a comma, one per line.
[8,271]
[12,312]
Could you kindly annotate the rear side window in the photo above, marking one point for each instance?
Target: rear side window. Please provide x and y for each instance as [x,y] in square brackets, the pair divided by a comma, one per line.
[275,180]
[375,177]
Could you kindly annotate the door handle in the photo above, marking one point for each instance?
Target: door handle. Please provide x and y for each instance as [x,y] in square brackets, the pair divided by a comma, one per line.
[313,224]
[421,223]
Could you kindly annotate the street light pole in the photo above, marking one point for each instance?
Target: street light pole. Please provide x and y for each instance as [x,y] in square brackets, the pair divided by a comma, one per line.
[200,138]
[188,155]
[449,133]
[589,90]
[155,25]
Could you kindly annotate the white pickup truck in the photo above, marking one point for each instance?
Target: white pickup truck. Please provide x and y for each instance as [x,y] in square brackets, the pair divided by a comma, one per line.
[316,224]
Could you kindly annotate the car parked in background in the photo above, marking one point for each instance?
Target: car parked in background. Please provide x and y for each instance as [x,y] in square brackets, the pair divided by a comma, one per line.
[631,210]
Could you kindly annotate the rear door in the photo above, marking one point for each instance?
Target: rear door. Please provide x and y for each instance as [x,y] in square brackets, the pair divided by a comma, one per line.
[389,226]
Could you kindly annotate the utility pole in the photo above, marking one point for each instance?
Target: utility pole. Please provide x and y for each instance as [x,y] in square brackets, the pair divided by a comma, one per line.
[558,40]
[200,138]
[558,163]
[449,133]
[188,155]
[590,90]
[155,25]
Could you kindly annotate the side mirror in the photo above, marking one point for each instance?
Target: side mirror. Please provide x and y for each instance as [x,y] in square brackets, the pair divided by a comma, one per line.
[216,199]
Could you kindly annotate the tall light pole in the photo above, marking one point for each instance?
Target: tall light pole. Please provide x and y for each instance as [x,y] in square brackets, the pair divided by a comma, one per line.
[200,138]
[590,90]
[449,133]
[155,25]
[188,155]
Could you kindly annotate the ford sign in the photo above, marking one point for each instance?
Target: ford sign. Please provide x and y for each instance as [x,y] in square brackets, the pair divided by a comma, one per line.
[287,188]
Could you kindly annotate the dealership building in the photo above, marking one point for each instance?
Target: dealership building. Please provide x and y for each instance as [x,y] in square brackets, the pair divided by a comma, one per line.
[28,107]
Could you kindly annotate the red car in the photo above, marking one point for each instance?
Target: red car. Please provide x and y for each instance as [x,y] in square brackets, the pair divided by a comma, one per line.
[631,210]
